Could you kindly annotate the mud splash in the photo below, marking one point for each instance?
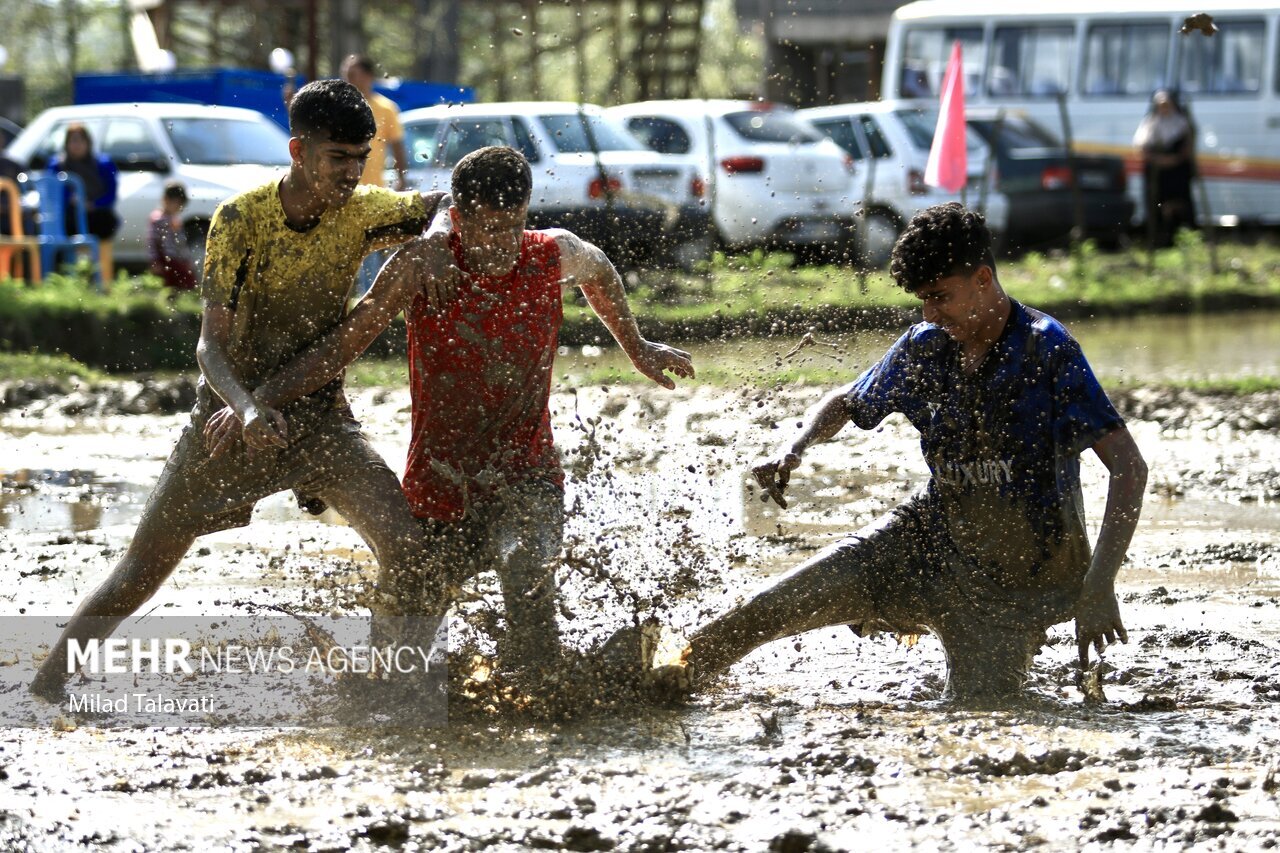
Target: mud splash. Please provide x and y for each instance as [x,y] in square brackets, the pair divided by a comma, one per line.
[827,741]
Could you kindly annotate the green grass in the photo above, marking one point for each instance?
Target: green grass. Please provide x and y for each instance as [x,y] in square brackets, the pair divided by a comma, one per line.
[16,366]
[1181,278]
[74,292]
[134,324]
[1235,386]
[394,373]
[378,373]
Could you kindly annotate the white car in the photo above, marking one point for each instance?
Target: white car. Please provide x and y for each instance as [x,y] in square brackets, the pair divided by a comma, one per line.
[771,178]
[216,152]
[589,175]
[890,141]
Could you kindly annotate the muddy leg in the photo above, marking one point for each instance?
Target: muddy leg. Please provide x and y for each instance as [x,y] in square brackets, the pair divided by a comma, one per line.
[154,553]
[829,589]
[526,541]
[988,664]
[410,598]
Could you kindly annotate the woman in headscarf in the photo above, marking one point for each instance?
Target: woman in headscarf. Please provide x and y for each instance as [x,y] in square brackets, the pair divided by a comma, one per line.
[100,183]
[1166,139]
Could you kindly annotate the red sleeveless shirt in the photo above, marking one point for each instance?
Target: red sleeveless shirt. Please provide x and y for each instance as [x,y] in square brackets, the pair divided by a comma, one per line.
[480,376]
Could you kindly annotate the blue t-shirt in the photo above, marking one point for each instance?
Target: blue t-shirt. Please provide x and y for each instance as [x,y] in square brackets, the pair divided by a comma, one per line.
[1003,444]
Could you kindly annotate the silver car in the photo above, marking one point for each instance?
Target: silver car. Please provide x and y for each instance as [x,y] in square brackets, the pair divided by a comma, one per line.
[890,143]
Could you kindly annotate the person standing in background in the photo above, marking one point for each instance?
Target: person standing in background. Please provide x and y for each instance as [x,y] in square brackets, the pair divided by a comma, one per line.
[1166,141]
[167,242]
[358,70]
[100,184]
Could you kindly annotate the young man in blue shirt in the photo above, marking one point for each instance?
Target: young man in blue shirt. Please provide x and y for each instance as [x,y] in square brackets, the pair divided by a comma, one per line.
[993,550]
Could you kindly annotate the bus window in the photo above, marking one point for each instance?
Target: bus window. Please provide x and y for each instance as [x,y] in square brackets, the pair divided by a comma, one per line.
[925,58]
[1230,63]
[1031,61]
[875,139]
[1125,59]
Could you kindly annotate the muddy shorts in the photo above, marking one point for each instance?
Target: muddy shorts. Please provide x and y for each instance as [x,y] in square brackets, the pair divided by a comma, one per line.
[903,574]
[517,533]
[199,495]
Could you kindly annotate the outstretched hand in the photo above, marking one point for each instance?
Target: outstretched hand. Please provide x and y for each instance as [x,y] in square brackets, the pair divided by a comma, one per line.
[774,473]
[654,360]
[1098,623]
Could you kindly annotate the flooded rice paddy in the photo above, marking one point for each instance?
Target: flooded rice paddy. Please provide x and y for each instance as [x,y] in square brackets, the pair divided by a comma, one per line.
[824,742]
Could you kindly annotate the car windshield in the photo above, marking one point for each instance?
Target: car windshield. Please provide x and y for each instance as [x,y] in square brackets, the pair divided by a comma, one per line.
[228,141]
[1017,133]
[568,133]
[920,125]
[761,126]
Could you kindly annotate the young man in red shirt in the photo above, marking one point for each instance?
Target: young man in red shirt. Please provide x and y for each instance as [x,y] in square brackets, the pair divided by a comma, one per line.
[483,475]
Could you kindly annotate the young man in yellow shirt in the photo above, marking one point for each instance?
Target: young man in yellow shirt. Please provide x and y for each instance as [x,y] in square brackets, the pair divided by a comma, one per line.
[278,270]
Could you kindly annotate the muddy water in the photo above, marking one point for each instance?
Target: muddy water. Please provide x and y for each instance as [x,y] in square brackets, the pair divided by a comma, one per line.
[825,742]
[1135,351]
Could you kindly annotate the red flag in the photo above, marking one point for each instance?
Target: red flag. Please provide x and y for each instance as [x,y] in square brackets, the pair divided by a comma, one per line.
[948,165]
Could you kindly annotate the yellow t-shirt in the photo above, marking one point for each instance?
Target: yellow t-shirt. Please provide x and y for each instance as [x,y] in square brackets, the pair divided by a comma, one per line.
[387,117]
[287,288]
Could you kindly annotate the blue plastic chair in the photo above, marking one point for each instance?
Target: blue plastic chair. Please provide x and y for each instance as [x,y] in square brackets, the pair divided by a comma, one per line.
[55,191]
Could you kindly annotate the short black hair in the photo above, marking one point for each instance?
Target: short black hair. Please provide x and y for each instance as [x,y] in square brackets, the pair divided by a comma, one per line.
[176,191]
[333,111]
[495,177]
[943,240]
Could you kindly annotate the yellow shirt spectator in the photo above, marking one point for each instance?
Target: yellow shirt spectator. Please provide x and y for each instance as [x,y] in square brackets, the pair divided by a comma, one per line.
[387,116]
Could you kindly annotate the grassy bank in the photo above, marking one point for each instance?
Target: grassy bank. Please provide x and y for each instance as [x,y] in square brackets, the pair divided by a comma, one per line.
[134,326]
[761,294]
[394,373]
[15,367]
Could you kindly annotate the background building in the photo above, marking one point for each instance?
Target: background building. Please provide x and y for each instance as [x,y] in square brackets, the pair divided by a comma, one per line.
[821,52]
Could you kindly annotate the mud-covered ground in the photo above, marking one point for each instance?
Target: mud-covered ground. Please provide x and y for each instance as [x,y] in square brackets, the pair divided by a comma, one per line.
[825,742]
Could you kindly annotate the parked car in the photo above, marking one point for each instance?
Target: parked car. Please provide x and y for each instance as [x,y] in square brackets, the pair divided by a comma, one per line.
[215,152]
[771,178]
[589,174]
[1036,175]
[8,131]
[889,142]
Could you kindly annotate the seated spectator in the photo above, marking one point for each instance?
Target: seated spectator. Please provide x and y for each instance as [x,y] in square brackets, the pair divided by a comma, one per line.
[100,184]
[170,255]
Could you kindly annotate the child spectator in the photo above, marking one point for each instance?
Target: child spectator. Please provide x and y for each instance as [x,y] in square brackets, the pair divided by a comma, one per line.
[170,256]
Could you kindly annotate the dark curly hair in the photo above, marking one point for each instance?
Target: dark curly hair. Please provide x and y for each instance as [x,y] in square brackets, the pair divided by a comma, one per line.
[495,178]
[940,241]
[331,111]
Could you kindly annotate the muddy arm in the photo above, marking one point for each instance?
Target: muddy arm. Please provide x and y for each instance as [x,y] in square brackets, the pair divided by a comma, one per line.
[418,267]
[821,422]
[1098,613]
[263,426]
[585,265]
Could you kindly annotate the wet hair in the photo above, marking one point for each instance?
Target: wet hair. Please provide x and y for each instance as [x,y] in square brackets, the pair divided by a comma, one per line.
[78,129]
[331,111]
[176,191]
[940,241]
[358,60]
[495,178]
